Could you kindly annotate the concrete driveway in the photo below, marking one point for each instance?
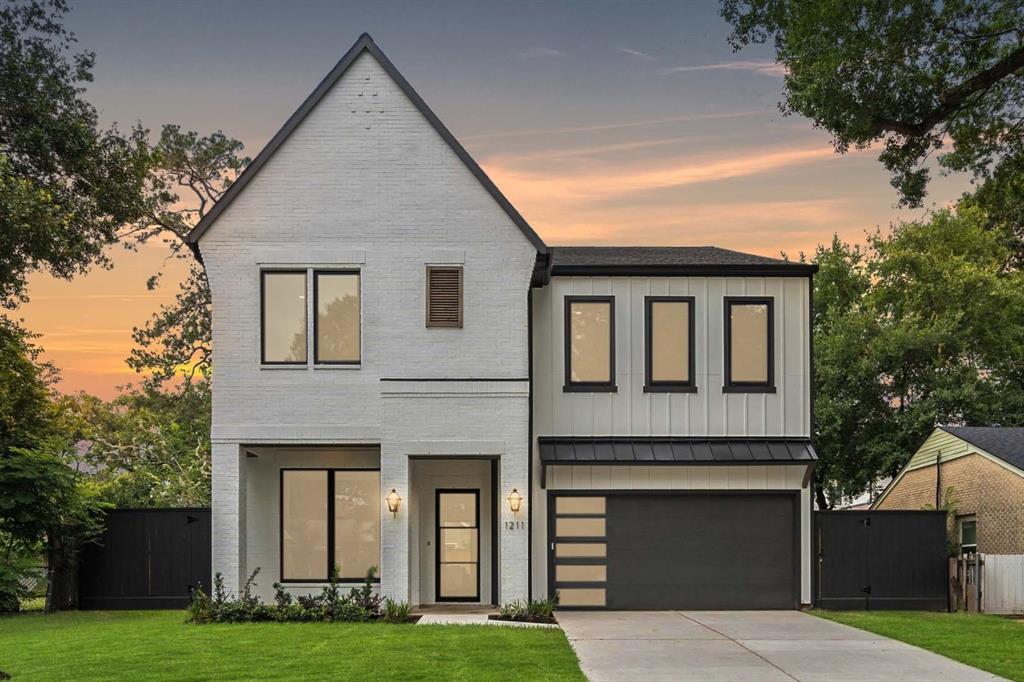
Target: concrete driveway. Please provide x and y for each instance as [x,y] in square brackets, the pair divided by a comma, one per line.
[745,646]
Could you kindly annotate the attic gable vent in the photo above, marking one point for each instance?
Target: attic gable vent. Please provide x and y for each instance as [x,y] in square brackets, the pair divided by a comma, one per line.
[444,296]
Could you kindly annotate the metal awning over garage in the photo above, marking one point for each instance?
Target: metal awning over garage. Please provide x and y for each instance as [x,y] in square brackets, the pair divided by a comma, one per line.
[565,451]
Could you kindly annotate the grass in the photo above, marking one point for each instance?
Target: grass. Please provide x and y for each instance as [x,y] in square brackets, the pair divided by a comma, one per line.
[159,645]
[992,643]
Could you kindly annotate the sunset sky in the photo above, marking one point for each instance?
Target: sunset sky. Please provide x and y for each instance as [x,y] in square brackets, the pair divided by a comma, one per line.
[603,122]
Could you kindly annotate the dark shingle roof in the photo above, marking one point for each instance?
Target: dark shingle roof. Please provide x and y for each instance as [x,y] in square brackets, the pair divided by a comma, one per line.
[1004,442]
[668,260]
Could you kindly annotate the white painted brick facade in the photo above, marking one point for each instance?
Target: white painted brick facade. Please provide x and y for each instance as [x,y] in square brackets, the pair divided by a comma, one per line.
[365,182]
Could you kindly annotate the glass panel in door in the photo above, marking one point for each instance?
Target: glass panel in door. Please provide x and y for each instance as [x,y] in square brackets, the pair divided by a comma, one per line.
[458,545]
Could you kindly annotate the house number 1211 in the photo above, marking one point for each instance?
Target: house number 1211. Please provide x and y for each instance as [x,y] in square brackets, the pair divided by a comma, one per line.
[515,525]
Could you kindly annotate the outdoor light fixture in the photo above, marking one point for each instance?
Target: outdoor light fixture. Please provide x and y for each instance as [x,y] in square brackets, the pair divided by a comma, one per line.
[515,500]
[394,501]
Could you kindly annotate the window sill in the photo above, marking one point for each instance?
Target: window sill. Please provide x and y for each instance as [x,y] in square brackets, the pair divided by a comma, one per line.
[590,388]
[283,366]
[339,365]
[738,388]
[670,388]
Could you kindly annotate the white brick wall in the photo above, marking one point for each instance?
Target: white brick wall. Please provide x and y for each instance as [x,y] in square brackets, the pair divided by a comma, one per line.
[366,182]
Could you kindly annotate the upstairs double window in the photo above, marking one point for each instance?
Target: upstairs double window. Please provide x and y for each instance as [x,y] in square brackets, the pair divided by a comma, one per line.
[284,317]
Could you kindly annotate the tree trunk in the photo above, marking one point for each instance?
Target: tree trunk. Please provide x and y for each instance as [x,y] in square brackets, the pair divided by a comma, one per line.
[62,574]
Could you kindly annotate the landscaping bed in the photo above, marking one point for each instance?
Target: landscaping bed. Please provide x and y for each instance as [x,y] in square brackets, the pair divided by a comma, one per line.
[991,643]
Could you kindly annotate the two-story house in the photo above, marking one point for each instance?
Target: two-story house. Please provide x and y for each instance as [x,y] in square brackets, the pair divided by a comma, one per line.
[407,377]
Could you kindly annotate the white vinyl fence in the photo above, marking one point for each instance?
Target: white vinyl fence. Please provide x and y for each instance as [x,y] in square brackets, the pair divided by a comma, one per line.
[1003,583]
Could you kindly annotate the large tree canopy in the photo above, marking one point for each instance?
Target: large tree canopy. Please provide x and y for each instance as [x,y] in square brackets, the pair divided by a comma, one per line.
[925,326]
[923,78]
[66,185]
[189,173]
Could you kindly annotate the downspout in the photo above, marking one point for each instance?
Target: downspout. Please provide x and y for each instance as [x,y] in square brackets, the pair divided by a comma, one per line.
[938,480]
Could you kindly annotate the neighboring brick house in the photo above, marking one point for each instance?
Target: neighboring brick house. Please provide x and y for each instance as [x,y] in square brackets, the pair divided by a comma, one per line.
[409,378]
[984,466]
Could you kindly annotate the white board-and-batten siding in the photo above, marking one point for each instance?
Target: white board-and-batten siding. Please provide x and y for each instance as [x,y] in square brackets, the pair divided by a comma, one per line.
[709,412]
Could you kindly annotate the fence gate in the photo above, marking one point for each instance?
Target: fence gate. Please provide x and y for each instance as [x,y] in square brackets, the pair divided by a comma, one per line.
[146,559]
[878,560]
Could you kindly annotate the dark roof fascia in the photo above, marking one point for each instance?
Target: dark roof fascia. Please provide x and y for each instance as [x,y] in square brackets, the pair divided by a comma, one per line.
[541,270]
[366,43]
[767,270]
[556,440]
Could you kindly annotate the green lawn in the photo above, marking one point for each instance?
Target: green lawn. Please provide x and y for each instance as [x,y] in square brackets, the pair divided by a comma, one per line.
[991,643]
[158,645]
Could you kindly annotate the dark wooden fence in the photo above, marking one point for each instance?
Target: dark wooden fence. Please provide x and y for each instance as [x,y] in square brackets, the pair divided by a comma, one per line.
[146,559]
[881,560]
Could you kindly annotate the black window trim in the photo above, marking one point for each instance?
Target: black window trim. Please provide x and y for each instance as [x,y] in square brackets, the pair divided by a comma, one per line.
[316,316]
[571,386]
[651,385]
[331,549]
[730,386]
[263,316]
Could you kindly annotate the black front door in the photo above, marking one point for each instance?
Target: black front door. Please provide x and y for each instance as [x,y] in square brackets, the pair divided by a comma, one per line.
[457,559]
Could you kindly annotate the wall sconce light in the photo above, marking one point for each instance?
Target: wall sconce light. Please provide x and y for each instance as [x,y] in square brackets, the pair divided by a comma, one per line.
[515,500]
[394,501]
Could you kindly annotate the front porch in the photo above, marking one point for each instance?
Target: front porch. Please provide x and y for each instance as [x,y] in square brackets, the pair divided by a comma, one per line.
[298,511]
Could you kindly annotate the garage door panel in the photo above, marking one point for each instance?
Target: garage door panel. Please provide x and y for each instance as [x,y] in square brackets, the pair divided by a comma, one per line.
[701,551]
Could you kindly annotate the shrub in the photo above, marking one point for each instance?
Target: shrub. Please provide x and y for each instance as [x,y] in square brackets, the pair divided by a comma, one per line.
[359,605]
[397,611]
[534,611]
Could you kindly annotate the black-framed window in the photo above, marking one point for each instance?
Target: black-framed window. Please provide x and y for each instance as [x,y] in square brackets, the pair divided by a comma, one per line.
[283,317]
[337,324]
[329,517]
[590,343]
[749,344]
[669,344]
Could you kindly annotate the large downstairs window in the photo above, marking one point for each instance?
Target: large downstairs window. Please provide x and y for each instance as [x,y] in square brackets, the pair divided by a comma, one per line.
[329,517]
[589,343]
[749,345]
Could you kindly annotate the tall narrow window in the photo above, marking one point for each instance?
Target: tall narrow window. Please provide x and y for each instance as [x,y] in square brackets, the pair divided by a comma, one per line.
[444,296]
[329,517]
[749,330]
[356,522]
[336,295]
[304,553]
[669,344]
[283,317]
[589,343]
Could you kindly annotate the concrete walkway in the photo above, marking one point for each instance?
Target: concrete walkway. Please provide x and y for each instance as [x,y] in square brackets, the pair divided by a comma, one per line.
[745,646]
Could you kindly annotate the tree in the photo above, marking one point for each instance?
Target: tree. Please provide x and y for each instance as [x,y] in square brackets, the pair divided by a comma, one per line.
[923,78]
[45,505]
[147,448]
[189,174]
[924,327]
[66,186]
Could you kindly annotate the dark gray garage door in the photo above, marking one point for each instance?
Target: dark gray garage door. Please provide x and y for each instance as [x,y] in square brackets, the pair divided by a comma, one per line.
[676,551]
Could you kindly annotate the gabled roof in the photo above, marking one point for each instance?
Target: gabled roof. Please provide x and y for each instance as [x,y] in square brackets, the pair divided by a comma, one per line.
[365,43]
[669,260]
[1004,442]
